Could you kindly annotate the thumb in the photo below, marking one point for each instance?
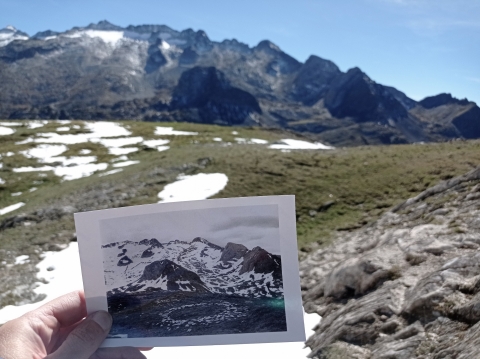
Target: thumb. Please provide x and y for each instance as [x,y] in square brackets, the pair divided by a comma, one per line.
[85,339]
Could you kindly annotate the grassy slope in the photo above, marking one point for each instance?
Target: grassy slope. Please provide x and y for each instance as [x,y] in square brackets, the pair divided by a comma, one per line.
[363,181]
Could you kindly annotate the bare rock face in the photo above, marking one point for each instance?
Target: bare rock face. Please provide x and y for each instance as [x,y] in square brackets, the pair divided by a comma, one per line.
[208,90]
[406,286]
[172,273]
[233,251]
[260,261]
[441,99]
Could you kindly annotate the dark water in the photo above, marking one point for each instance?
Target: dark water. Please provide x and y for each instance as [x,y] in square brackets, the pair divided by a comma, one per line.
[163,314]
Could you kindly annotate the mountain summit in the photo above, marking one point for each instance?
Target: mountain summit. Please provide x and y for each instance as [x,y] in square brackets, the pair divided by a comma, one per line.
[154,73]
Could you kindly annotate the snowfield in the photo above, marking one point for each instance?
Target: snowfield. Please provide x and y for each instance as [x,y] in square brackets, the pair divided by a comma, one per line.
[192,188]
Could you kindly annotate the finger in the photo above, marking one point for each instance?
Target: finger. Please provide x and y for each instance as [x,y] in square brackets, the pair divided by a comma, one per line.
[85,339]
[66,310]
[118,353]
[145,349]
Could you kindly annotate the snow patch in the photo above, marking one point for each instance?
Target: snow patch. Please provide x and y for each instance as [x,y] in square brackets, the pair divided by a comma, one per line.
[64,278]
[165,45]
[45,152]
[117,151]
[196,187]
[69,172]
[109,37]
[155,143]
[11,208]
[76,172]
[6,131]
[118,142]
[36,124]
[97,131]
[126,163]
[169,131]
[22,259]
[290,144]
[110,172]
[162,148]
[10,124]
[256,141]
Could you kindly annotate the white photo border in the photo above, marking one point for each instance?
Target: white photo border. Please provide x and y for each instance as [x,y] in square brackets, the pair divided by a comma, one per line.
[89,241]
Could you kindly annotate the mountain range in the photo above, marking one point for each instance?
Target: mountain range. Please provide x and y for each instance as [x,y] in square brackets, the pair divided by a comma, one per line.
[154,73]
[197,266]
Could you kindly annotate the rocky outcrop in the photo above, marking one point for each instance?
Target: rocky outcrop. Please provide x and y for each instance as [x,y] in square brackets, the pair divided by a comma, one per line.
[354,94]
[313,80]
[468,123]
[173,274]
[204,241]
[441,99]
[233,251]
[154,243]
[259,260]
[124,261]
[208,90]
[406,286]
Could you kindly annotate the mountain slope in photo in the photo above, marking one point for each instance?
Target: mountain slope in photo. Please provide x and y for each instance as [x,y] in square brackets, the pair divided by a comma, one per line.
[196,266]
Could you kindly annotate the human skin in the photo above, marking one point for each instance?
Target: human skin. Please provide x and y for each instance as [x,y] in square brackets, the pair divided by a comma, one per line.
[59,330]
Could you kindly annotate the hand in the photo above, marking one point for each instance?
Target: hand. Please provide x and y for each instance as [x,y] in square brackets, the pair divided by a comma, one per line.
[58,330]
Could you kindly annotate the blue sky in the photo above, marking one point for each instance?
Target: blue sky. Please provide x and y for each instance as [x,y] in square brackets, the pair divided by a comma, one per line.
[421,47]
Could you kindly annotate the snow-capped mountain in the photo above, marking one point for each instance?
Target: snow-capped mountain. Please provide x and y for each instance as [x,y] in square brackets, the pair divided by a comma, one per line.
[196,266]
[9,34]
[155,73]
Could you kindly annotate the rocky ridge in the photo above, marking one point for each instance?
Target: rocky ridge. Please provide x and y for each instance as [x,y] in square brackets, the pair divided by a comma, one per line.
[406,286]
[154,73]
[196,266]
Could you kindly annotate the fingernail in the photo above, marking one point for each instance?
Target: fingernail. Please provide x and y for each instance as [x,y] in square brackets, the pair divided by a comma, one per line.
[103,319]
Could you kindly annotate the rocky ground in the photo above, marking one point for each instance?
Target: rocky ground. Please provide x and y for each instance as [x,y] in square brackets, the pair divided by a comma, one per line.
[405,286]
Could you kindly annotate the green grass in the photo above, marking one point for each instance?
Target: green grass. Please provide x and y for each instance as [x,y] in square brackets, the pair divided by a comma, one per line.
[363,182]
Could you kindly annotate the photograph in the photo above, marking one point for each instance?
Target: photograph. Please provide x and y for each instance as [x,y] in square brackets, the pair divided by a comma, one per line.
[210,271]
[193,269]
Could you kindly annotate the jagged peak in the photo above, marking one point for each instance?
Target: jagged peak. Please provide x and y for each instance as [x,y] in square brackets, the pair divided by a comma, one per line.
[202,33]
[104,25]
[206,242]
[442,99]
[355,70]
[314,60]
[150,28]
[267,45]
[9,29]
[45,34]
[200,239]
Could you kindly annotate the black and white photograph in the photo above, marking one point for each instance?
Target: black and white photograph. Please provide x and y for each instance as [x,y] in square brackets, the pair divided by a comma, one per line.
[211,271]
[194,272]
